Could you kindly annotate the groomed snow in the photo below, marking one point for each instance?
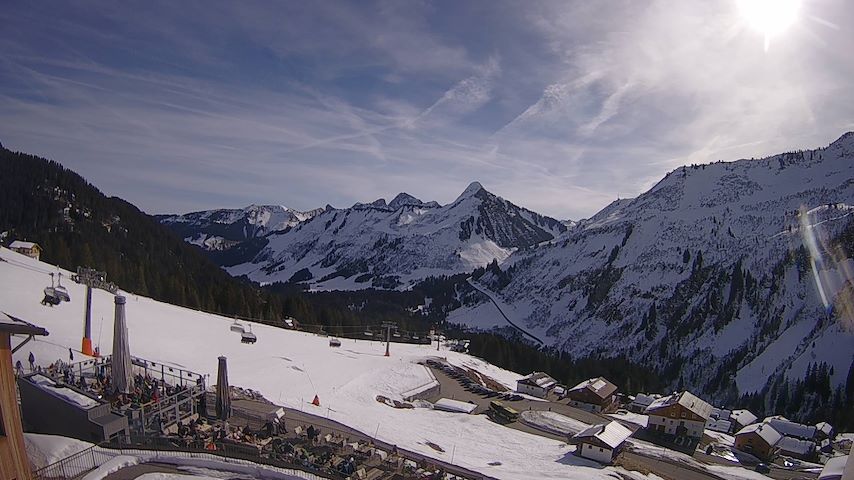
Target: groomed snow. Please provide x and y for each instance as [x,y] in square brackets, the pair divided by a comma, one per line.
[289,368]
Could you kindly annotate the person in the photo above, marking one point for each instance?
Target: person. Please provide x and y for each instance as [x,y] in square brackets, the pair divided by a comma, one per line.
[19,369]
[32,359]
[70,355]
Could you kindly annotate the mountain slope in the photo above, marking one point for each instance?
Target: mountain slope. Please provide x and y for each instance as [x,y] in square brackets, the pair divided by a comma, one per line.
[224,228]
[77,225]
[388,245]
[706,274]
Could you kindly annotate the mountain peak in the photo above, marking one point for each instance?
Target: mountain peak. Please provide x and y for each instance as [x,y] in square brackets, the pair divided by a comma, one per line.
[473,188]
[404,198]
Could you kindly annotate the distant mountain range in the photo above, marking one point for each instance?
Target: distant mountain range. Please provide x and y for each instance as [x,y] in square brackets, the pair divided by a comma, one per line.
[379,244]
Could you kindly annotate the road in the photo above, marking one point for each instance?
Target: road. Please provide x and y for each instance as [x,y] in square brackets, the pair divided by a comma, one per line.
[498,307]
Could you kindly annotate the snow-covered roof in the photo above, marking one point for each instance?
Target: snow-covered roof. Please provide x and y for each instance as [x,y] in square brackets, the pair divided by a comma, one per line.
[686,399]
[20,244]
[743,417]
[824,428]
[794,445]
[720,414]
[767,432]
[722,426]
[789,428]
[612,434]
[643,400]
[449,405]
[539,379]
[598,386]
[833,468]
[72,396]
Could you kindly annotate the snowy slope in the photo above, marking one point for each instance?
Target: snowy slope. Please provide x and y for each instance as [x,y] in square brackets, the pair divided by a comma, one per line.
[389,245]
[224,228]
[708,273]
[289,368]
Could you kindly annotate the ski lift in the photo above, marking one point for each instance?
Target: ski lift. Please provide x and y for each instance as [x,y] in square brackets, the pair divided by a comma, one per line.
[334,342]
[50,296]
[395,335]
[237,327]
[248,337]
[59,290]
[369,333]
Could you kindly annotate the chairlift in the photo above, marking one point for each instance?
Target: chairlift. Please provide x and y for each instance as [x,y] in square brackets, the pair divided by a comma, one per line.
[395,335]
[59,290]
[334,342]
[50,296]
[237,327]
[369,333]
[248,337]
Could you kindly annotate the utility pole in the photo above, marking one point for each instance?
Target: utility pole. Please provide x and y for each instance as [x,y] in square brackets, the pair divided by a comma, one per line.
[388,326]
[92,279]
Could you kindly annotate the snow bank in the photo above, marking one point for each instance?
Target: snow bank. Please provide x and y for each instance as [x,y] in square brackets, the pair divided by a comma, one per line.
[44,450]
[112,466]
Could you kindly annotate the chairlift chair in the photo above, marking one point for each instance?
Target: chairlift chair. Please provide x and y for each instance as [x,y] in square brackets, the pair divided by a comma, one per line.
[59,290]
[248,337]
[369,333]
[237,327]
[334,342]
[50,296]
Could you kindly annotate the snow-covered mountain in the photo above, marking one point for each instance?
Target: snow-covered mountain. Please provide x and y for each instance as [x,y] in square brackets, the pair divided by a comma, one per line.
[724,275]
[389,245]
[224,228]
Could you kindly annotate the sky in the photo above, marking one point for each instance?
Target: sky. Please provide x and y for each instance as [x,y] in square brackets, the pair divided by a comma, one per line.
[557,106]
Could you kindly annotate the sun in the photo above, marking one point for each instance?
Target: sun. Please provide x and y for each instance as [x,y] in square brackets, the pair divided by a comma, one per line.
[769,17]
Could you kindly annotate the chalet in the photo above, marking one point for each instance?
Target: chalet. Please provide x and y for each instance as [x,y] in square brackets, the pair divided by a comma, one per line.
[759,440]
[796,448]
[788,428]
[594,395]
[13,456]
[681,415]
[537,384]
[30,249]
[600,442]
[741,419]
[824,431]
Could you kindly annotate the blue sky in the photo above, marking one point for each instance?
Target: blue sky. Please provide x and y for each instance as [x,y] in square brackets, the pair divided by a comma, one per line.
[560,107]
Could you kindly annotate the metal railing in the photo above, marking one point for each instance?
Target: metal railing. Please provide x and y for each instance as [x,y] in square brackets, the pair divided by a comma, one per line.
[74,466]
[85,461]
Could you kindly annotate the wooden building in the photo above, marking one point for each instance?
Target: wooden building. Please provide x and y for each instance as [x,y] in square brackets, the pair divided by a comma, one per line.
[759,440]
[30,249]
[600,442]
[681,415]
[537,384]
[14,464]
[594,395]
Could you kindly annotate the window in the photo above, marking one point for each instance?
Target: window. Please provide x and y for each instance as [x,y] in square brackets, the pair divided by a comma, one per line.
[683,414]
[589,447]
[600,450]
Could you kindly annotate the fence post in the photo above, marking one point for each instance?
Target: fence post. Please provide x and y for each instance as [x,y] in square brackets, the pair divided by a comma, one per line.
[92,450]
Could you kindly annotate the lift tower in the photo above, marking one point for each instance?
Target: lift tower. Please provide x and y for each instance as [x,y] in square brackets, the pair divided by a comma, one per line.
[92,279]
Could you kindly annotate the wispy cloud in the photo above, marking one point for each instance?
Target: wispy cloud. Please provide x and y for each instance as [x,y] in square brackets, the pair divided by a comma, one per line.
[560,107]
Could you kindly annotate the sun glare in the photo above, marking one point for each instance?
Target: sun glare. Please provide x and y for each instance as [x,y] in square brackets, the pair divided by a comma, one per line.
[769,17]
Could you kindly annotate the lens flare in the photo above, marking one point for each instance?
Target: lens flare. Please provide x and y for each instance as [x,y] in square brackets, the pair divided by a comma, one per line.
[769,17]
